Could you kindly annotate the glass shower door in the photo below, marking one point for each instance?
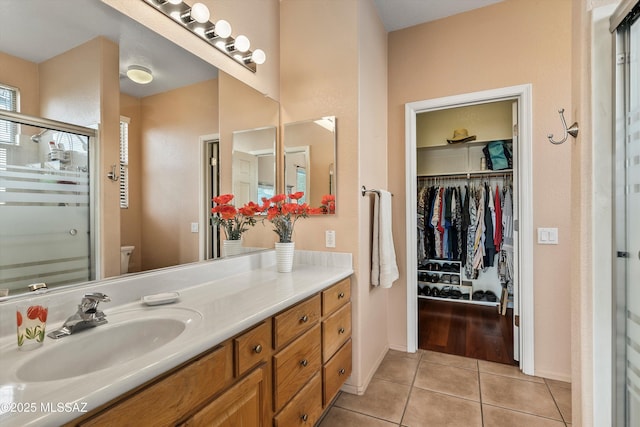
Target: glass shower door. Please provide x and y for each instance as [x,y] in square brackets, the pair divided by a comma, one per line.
[628,227]
[45,233]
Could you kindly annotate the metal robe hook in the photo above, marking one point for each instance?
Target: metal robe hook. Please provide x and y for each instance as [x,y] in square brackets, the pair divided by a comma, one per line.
[573,130]
[112,175]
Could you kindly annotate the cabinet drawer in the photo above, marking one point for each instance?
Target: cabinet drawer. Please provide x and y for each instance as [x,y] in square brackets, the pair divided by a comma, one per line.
[167,400]
[251,348]
[294,365]
[336,329]
[305,408]
[335,372]
[336,296]
[241,405]
[291,323]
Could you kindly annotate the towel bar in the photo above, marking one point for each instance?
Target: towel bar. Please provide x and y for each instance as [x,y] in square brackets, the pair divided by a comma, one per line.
[365,191]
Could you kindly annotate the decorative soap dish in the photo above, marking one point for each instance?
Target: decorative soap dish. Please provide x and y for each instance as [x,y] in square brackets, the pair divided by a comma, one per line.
[159,299]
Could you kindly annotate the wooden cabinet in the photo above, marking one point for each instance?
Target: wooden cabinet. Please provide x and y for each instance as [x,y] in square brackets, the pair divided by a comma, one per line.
[335,372]
[242,405]
[305,408]
[283,371]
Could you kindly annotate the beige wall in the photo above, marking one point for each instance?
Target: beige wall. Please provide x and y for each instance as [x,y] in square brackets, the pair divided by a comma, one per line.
[318,79]
[510,43]
[172,123]
[131,218]
[22,75]
[77,87]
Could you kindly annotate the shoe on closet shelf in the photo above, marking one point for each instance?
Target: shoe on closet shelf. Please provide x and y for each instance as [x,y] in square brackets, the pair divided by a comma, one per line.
[464,296]
[490,296]
[455,294]
[455,280]
[479,296]
[427,291]
[434,278]
[445,278]
[435,292]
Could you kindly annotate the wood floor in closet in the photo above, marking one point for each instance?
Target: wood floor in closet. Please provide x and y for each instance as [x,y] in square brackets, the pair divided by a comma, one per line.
[466,330]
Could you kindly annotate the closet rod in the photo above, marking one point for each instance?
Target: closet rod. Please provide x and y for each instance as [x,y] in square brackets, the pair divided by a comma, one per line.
[467,175]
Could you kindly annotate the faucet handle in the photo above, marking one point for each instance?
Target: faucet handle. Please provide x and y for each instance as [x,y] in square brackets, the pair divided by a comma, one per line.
[89,304]
[97,296]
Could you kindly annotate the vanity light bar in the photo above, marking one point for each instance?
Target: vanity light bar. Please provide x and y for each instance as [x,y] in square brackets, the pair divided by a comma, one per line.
[188,17]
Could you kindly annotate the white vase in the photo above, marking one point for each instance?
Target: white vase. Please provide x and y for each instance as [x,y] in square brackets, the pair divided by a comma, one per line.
[232,247]
[284,256]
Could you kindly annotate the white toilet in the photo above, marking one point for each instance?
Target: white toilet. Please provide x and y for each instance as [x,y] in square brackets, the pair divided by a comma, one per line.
[125,255]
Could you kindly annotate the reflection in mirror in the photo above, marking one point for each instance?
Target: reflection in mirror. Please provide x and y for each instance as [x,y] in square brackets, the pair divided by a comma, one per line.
[310,158]
[254,164]
[78,77]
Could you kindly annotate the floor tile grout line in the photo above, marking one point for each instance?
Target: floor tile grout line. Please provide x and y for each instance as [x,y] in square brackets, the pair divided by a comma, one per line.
[415,374]
[555,402]
[480,395]
[493,405]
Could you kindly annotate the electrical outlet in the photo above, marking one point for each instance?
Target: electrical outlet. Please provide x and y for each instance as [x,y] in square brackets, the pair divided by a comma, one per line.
[330,238]
[194,227]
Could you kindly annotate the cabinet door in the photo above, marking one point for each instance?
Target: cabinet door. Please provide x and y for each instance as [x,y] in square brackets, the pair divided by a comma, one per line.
[168,400]
[241,405]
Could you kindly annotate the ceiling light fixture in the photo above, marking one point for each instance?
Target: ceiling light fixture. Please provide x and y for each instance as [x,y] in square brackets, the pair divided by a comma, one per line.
[139,74]
[196,19]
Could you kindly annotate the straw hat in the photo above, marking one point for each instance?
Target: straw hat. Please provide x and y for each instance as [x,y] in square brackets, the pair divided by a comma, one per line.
[461,135]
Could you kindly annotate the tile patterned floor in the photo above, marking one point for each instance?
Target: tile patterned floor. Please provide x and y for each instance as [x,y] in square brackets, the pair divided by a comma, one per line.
[435,389]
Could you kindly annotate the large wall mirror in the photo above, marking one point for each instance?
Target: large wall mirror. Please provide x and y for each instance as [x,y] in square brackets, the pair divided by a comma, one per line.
[68,61]
[310,158]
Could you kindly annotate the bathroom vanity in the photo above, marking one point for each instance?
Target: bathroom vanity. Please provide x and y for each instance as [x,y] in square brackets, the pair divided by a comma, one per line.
[258,348]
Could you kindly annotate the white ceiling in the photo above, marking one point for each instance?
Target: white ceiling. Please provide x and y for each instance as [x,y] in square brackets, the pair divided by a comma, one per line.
[398,14]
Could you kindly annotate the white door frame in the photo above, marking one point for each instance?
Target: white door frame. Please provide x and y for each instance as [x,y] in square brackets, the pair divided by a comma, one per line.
[522,94]
[203,203]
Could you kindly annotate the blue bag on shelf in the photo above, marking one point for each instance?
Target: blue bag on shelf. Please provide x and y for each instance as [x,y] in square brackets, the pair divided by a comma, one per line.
[498,155]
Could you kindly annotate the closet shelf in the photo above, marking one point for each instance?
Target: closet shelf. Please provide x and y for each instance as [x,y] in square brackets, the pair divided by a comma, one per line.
[460,300]
[463,144]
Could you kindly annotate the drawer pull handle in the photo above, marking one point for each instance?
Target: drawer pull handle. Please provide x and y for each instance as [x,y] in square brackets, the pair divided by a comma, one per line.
[304,362]
[304,417]
[304,319]
[341,295]
[341,371]
[341,331]
[257,349]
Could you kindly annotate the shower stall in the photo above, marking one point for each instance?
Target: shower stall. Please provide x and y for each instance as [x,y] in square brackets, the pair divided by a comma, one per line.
[46,208]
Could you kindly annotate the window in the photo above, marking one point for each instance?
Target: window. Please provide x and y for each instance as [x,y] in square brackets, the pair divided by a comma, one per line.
[8,102]
[124,162]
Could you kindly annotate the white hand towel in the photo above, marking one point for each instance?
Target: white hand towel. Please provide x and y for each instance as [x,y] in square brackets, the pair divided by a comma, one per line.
[384,270]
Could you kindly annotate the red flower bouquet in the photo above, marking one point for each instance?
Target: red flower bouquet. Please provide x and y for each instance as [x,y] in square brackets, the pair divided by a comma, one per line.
[284,214]
[234,221]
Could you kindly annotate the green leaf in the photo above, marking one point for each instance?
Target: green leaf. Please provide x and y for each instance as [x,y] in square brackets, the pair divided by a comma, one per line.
[20,340]
[30,333]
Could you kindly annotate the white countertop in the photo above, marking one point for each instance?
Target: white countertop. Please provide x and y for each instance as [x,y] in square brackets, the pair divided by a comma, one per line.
[249,291]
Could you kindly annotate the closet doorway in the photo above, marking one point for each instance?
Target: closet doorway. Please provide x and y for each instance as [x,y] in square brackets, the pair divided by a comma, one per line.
[451,168]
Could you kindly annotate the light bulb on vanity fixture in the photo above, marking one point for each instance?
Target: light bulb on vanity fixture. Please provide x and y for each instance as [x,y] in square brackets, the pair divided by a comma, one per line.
[240,44]
[220,29]
[257,56]
[198,13]
[139,74]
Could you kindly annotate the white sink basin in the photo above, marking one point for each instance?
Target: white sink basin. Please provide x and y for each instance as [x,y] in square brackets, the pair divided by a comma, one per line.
[128,335]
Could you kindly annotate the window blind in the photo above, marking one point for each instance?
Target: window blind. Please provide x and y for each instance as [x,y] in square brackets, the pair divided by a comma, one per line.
[124,162]
[8,102]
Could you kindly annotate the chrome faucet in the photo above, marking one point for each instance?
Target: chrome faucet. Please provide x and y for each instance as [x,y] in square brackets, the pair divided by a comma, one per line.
[87,316]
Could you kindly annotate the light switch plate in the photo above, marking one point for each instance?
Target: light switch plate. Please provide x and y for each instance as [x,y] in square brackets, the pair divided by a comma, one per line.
[330,238]
[194,227]
[547,236]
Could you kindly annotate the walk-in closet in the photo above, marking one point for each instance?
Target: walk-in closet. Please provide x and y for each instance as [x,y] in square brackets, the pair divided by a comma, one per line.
[466,165]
